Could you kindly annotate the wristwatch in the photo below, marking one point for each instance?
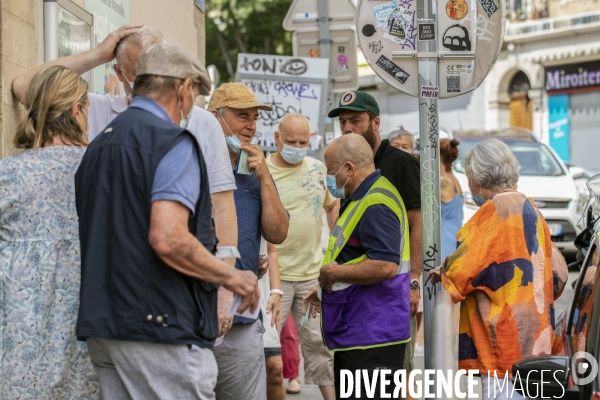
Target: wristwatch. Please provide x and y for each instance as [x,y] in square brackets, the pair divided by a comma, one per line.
[278,291]
[414,284]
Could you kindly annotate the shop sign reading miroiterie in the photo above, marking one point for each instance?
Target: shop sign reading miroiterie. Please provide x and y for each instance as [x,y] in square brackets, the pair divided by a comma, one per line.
[572,76]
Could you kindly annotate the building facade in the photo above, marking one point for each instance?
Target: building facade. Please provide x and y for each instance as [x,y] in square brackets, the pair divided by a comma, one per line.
[24,41]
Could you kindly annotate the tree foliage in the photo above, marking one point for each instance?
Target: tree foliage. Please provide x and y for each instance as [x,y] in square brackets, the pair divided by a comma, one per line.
[244,26]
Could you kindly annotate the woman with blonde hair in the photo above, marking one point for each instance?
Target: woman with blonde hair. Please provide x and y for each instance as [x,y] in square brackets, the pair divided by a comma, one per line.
[39,246]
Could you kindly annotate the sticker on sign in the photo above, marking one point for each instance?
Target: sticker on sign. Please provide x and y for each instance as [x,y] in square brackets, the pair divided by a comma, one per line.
[306,16]
[429,92]
[426,32]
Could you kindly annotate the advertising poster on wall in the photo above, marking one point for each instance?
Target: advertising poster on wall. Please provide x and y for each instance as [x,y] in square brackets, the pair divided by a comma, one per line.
[558,124]
[108,16]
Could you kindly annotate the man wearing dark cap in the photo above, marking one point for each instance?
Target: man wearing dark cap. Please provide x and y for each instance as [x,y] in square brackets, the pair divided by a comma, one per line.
[149,277]
[358,112]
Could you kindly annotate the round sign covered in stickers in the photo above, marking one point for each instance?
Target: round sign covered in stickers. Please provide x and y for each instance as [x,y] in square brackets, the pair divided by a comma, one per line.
[468,34]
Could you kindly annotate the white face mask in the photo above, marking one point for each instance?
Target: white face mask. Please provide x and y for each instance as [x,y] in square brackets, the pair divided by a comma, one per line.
[185,121]
[130,84]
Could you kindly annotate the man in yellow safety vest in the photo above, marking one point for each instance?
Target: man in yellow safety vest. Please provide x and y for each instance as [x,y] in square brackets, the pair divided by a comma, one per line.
[364,295]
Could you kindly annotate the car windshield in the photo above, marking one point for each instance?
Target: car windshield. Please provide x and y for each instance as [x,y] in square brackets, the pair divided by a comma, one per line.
[534,158]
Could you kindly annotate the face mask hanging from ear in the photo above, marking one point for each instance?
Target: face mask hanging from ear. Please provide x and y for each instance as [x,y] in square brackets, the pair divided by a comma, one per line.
[479,200]
[183,123]
[232,141]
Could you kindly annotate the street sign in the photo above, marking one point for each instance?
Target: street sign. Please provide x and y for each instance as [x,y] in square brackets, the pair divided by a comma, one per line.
[304,14]
[287,84]
[469,36]
[343,63]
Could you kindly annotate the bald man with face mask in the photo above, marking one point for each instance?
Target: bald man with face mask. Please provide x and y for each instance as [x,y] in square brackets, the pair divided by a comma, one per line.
[363,292]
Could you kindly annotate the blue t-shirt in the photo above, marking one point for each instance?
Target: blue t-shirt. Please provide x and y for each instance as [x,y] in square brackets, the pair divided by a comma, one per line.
[177,176]
[377,234]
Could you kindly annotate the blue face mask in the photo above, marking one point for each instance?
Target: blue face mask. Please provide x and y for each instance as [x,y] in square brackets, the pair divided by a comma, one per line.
[293,155]
[332,185]
[479,200]
[232,141]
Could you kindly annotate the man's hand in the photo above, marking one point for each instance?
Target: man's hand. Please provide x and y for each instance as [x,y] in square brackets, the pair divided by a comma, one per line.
[273,308]
[435,275]
[256,161]
[107,49]
[415,296]
[263,266]
[311,297]
[327,276]
[245,284]
[225,298]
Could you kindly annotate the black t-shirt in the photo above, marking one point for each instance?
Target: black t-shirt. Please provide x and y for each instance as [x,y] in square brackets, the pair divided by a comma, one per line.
[402,170]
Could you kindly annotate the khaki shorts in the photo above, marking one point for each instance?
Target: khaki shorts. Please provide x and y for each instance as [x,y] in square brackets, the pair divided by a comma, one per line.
[318,361]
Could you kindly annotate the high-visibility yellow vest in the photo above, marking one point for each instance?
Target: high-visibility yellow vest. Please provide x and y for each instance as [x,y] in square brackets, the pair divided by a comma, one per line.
[366,316]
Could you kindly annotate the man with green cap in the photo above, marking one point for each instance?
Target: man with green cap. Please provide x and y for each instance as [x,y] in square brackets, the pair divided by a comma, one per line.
[358,112]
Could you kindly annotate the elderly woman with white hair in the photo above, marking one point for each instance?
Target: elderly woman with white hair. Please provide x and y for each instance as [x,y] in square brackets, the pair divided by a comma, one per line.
[506,273]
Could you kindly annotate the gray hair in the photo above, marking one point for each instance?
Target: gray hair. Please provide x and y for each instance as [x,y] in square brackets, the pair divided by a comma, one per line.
[401,133]
[491,164]
[144,37]
[222,111]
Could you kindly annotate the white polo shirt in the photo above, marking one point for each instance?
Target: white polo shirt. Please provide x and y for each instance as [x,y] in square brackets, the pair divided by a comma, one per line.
[203,125]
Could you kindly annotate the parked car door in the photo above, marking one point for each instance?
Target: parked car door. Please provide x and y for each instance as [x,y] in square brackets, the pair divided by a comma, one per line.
[584,321]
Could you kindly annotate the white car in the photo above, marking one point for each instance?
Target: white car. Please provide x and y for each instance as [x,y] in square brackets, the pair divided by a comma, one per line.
[542,177]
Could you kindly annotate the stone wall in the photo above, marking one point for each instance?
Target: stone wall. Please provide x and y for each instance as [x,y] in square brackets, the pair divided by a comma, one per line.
[22,44]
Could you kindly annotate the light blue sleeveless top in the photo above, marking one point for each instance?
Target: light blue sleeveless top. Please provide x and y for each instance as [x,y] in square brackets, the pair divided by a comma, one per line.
[452,216]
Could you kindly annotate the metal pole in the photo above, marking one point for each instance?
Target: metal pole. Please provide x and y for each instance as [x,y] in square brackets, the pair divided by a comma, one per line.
[430,169]
[50,30]
[324,52]
[443,337]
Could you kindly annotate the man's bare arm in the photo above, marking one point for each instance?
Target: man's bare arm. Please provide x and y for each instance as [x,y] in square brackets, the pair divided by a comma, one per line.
[80,63]
[333,213]
[416,256]
[223,213]
[177,247]
[367,272]
[274,303]
[274,219]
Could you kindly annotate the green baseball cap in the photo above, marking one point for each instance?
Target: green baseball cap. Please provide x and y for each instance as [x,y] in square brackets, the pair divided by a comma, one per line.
[355,100]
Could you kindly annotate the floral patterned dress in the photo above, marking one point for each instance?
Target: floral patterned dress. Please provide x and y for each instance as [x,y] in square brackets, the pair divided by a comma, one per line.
[40,357]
